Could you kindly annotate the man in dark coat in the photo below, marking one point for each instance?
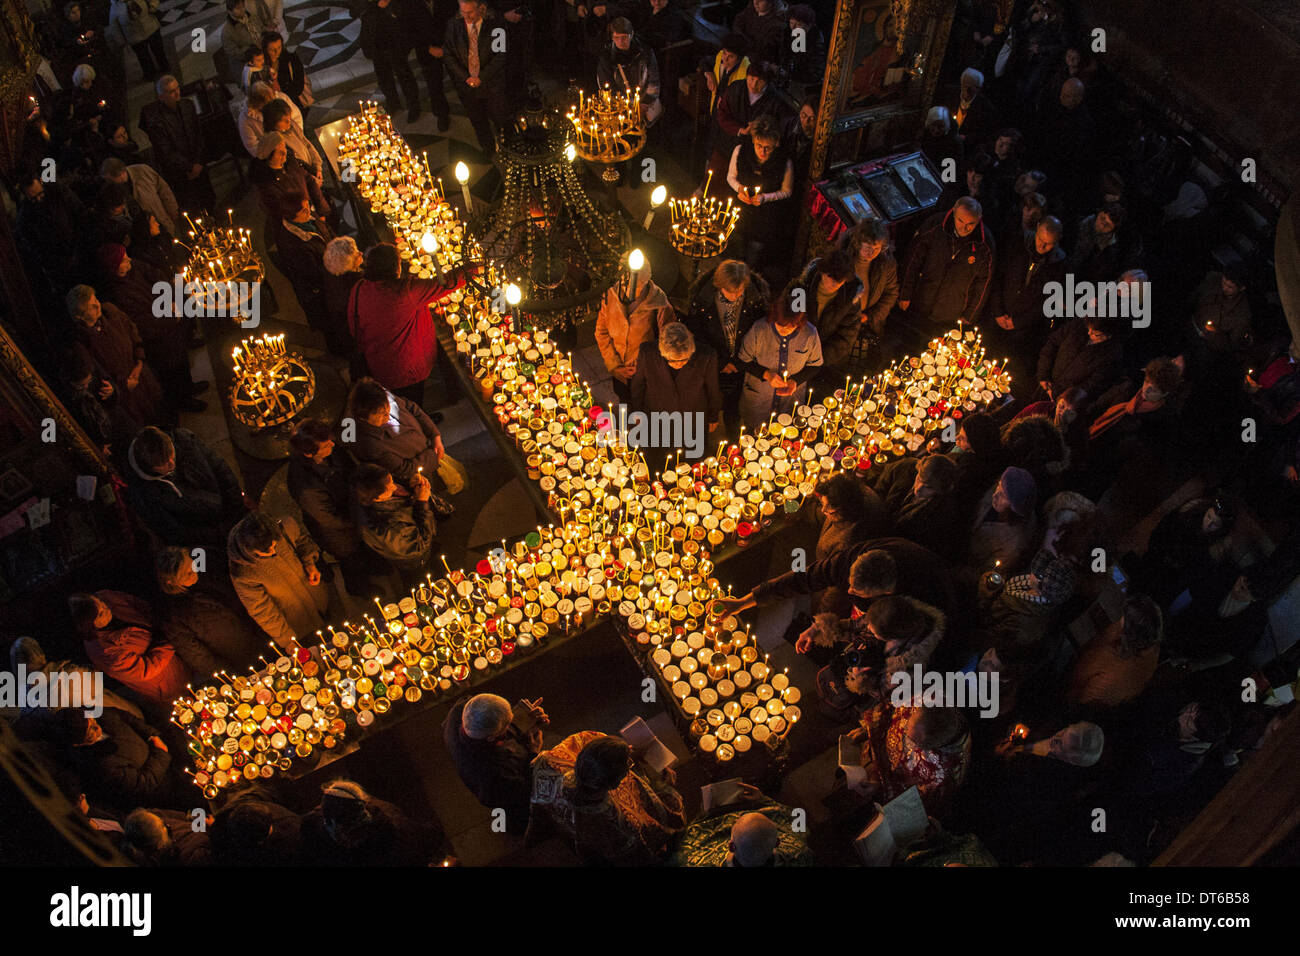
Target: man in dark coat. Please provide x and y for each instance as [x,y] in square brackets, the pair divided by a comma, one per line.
[765,24]
[301,240]
[1067,146]
[832,291]
[396,524]
[674,374]
[910,570]
[919,494]
[479,73]
[493,756]
[182,490]
[390,29]
[50,217]
[1018,297]
[254,832]
[320,481]
[172,125]
[949,270]
[1082,353]
[121,760]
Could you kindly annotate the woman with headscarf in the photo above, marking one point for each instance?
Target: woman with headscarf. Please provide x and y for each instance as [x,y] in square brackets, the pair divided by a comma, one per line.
[615,809]
[278,174]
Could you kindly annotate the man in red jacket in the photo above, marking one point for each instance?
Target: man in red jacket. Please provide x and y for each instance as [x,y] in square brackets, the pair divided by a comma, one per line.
[118,633]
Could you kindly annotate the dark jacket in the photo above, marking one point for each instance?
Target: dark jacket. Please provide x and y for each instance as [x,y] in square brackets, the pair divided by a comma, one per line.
[176,136]
[197,504]
[388,838]
[208,627]
[401,530]
[702,316]
[392,32]
[879,292]
[837,324]
[47,231]
[922,574]
[932,522]
[947,278]
[335,291]
[123,769]
[497,772]
[274,186]
[302,258]
[455,57]
[402,454]
[981,123]
[1018,290]
[658,387]
[1069,359]
[291,76]
[277,848]
[324,495]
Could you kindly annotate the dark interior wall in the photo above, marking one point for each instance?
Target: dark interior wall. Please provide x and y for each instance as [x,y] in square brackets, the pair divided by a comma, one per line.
[1231,68]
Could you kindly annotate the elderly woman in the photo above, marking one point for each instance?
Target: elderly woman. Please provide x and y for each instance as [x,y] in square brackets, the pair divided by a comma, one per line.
[114,342]
[761,174]
[779,355]
[251,122]
[615,810]
[278,174]
[676,375]
[201,617]
[724,303]
[389,318]
[343,262]
[1004,522]
[631,313]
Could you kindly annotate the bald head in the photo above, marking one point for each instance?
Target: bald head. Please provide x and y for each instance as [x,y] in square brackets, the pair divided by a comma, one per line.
[754,839]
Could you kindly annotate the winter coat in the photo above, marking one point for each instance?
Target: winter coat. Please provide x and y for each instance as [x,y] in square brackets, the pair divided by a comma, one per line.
[123,770]
[324,495]
[130,653]
[736,110]
[389,838]
[274,590]
[932,522]
[768,35]
[198,503]
[922,574]
[401,530]
[702,315]
[947,278]
[1102,677]
[993,540]
[879,292]
[497,772]
[275,186]
[176,136]
[623,327]
[832,630]
[151,191]
[209,629]
[132,21]
[1018,290]
[625,71]
[1069,360]
[115,346]
[658,387]
[394,329]
[404,453]
[237,36]
[839,322]
[302,251]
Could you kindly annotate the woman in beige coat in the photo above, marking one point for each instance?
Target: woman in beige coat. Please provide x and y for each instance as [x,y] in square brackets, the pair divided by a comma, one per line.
[631,313]
[273,566]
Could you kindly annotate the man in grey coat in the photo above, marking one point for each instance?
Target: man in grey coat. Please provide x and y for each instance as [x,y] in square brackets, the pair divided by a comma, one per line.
[273,566]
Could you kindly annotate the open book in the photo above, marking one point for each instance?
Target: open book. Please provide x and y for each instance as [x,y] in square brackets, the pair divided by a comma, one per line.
[647,746]
[900,823]
[720,794]
[850,761]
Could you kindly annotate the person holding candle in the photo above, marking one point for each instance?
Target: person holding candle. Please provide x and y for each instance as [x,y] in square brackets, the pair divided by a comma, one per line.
[779,356]
[739,106]
[676,375]
[615,809]
[493,751]
[388,316]
[1005,523]
[274,568]
[831,292]
[761,174]
[949,270]
[632,312]
[398,434]
[397,525]
[722,305]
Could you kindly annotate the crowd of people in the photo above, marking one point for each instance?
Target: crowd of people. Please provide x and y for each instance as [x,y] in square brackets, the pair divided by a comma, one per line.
[988,553]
